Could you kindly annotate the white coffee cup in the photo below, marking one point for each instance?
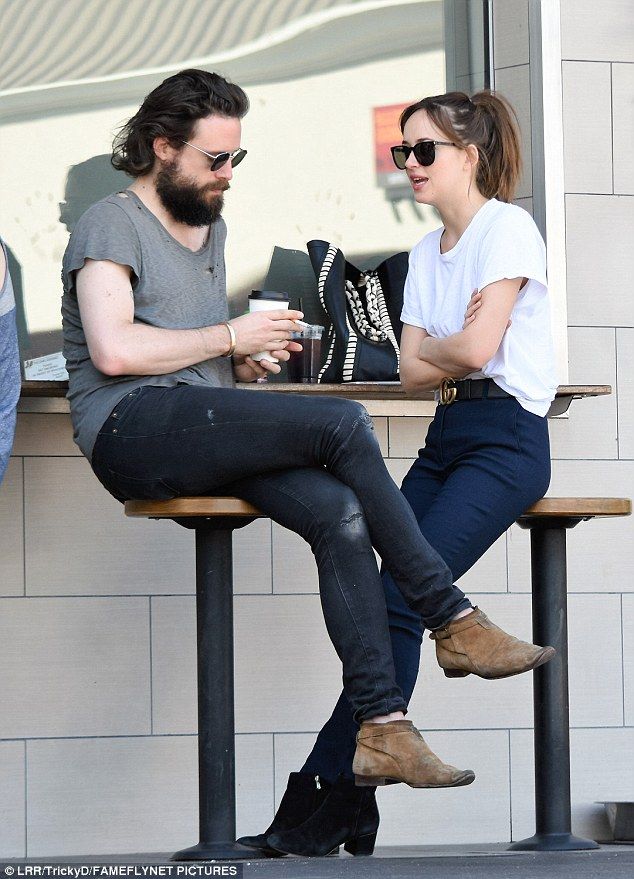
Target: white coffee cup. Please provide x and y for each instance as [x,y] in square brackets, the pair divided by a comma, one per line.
[267,300]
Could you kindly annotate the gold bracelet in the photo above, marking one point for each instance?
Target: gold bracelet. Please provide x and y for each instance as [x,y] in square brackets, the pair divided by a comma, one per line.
[232,336]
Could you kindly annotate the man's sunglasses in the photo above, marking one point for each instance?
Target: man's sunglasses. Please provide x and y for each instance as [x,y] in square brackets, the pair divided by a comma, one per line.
[220,159]
[424,152]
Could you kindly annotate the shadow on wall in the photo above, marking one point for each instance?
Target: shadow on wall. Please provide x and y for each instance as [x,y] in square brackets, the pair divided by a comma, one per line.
[86,183]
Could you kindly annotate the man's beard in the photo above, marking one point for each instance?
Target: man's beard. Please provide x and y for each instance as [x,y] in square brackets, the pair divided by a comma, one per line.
[186,201]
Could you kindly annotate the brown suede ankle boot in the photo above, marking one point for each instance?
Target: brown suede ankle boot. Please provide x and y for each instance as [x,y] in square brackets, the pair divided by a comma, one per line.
[396,751]
[473,644]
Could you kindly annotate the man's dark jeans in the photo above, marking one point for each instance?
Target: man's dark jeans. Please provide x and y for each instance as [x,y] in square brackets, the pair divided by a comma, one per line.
[313,465]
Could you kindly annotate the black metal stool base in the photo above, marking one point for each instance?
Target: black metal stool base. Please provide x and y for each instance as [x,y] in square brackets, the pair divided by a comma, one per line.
[553,842]
[217,851]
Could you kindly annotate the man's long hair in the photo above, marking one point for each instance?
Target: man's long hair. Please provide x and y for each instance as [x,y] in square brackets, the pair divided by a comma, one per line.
[171,110]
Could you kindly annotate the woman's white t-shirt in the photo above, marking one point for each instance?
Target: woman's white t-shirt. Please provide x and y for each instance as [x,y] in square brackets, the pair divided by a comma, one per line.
[501,241]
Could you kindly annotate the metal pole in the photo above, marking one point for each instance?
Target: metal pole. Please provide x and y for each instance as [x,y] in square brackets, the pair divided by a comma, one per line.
[216,742]
[550,695]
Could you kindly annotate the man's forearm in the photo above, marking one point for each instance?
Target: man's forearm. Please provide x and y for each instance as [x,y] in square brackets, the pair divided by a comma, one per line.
[146,350]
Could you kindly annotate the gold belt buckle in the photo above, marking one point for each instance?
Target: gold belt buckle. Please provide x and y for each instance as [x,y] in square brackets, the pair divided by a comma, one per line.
[448,391]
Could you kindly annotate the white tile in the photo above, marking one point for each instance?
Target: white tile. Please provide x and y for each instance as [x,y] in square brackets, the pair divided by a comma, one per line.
[112,796]
[174,682]
[510,32]
[380,428]
[12,808]
[12,530]
[407,436]
[628,659]
[79,541]
[599,260]
[294,566]
[473,703]
[489,573]
[587,35]
[398,468]
[601,769]
[625,397]
[592,360]
[44,434]
[587,118]
[476,813]
[288,676]
[623,134]
[514,84]
[600,552]
[252,558]
[74,667]
[254,783]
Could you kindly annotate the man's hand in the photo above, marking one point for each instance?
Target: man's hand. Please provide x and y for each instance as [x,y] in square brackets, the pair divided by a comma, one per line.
[247,369]
[264,331]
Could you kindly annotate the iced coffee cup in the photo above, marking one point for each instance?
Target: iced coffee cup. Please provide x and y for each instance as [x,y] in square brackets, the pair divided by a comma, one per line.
[267,300]
[303,366]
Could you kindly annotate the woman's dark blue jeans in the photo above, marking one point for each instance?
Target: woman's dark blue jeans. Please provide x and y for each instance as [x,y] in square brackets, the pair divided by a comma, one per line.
[313,465]
[484,462]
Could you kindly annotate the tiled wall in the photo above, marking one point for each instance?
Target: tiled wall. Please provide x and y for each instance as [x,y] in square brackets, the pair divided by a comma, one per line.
[97,641]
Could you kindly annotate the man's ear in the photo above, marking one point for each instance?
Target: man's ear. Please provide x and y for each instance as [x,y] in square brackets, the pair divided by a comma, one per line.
[163,150]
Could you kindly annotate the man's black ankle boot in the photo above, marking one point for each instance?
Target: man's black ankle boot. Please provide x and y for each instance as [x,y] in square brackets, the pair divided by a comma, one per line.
[348,815]
[304,794]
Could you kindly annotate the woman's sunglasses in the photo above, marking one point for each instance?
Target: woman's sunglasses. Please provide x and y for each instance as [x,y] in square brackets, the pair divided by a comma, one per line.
[424,152]
[220,159]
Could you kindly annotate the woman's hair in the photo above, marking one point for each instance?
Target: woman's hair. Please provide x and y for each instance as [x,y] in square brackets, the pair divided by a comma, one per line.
[171,110]
[486,120]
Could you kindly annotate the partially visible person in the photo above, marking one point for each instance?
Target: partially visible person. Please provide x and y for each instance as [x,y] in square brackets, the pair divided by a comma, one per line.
[9,363]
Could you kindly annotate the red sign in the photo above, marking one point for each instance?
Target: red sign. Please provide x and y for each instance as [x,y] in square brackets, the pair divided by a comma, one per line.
[387,133]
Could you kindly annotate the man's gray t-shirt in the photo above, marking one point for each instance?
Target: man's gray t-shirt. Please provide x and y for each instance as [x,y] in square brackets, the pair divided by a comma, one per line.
[173,288]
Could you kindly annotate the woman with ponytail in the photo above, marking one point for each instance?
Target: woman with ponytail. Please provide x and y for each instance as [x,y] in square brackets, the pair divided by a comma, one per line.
[476,329]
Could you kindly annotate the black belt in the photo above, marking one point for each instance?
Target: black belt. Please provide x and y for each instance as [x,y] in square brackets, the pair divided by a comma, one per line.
[469,389]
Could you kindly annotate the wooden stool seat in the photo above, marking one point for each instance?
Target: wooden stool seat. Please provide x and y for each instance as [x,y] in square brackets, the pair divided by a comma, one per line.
[194,507]
[579,507]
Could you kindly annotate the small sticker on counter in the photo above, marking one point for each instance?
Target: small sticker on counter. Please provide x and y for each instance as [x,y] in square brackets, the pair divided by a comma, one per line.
[50,368]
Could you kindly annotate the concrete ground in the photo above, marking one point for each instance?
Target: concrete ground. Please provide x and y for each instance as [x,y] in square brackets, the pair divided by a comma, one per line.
[446,862]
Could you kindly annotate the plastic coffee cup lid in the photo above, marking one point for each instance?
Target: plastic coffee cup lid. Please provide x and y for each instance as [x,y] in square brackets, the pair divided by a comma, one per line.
[275,295]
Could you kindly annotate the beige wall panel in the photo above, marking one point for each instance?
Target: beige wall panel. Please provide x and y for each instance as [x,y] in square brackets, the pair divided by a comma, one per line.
[476,813]
[628,658]
[254,783]
[600,552]
[380,428]
[174,665]
[251,558]
[601,768]
[510,32]
[407,436]
[12,530]
[625,373]
[593,33]
[590,430]
[587,119]
[441,703]
[80,542]
[398,468]
[599,258]
[288,676]
[623,135]
[74,667]
[44,434]
[294,567]
[12,808]
[111,796]
[513,83]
